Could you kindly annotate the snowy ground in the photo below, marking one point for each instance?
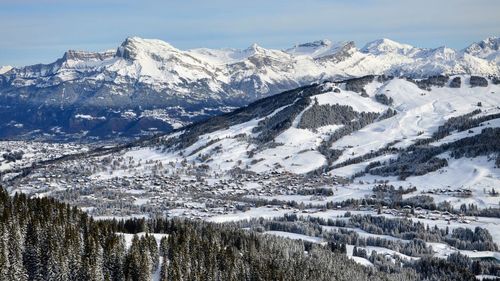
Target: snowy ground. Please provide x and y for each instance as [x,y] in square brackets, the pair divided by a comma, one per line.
[128,237]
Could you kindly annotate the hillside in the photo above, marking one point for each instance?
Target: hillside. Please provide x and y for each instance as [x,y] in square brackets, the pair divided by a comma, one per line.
[431,133]
[438,134]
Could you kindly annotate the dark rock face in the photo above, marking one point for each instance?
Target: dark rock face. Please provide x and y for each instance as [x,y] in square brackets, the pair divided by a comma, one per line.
[478,81]
[456,82]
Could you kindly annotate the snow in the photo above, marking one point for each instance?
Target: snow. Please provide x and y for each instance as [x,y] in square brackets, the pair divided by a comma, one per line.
[486,277]
[487,49]
[495,123]
[491,224]
[384,45]
[382,250]
[162,66]
[88,117]
[4,69]
[161,114]
[362,261]
[261,212]
[418,112]
[316,49]
[476,174]
[443,251]
[340,194]
[295,236]
[128,237]
[363,234]
[288,158]
[352,99]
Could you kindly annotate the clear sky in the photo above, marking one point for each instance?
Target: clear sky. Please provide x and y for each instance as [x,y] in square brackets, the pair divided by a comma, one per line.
[39,31]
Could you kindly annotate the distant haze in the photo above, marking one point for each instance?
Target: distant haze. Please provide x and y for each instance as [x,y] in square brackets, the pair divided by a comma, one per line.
[39,31]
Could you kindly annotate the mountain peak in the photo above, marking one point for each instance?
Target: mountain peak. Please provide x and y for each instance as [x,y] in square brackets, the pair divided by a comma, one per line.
[491,42]
[319,48]
[255,48]
[5,69]
[384,45]
[488,48]
[133,46]
[316,44]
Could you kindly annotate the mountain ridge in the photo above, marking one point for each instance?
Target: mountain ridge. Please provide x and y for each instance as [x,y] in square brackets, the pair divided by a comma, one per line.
[148,75]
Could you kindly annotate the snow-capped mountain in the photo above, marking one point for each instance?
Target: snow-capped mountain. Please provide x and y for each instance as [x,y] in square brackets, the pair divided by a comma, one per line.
[148,85]
[488,49]
[387,46]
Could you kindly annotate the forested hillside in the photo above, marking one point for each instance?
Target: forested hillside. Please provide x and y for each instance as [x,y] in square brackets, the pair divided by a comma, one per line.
[42,239]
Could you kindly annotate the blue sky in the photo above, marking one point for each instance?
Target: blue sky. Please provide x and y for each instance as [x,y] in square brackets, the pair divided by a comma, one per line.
[39,31]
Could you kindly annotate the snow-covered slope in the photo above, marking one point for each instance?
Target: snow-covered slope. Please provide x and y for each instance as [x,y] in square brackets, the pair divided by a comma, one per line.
[146,74]
[387,46]
[433,138]
[298,129]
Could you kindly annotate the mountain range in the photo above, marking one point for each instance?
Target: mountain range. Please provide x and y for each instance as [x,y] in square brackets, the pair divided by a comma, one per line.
[147,86]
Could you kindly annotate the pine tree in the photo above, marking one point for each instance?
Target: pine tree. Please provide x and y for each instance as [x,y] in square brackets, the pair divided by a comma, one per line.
[15,244]
[152,246]
[74,250]
[32,257]
[145,266]
[51,269]
[97,265]
[133,261]
[4,253]
[164,268]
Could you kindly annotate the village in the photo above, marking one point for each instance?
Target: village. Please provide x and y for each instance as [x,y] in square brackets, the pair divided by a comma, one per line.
[191,195]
